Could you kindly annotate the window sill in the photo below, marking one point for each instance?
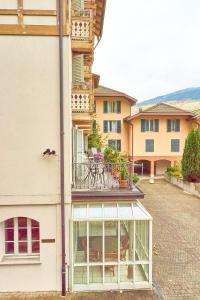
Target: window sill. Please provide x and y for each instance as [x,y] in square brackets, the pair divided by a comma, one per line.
[20,260]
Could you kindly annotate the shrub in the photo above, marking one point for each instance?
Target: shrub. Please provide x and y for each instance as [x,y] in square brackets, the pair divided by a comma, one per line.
[191,157]
[174,171]
[135,178]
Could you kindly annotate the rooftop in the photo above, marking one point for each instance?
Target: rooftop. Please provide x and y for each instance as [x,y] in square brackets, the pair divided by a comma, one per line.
[104,91]
[161,109]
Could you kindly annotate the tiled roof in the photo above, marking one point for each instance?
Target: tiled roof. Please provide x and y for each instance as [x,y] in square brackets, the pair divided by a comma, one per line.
[196,114]
[104,91]
[162,109]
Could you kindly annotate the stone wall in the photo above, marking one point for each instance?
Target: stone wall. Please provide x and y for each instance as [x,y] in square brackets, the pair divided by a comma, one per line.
[189,187]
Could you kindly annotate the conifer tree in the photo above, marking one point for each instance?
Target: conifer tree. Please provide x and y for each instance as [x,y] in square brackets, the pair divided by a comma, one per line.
[191,157]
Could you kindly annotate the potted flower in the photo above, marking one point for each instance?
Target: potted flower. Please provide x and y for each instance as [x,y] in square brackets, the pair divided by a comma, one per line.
[123,182]
[112,160]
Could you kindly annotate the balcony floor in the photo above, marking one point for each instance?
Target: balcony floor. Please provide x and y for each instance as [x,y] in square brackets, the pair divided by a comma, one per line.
[125,194]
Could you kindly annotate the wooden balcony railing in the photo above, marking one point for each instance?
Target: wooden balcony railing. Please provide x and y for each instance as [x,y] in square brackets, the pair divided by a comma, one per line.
[81,98]
[82,32]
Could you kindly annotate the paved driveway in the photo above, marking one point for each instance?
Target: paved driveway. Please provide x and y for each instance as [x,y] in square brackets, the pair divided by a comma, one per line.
[176,240]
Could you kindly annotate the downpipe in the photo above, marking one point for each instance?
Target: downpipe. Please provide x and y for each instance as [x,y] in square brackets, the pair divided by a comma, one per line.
[62,174]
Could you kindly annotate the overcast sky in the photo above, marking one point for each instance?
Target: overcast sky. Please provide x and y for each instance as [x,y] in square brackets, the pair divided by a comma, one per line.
[150,47]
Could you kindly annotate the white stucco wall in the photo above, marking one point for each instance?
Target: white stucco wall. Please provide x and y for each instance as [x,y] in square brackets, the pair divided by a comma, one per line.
[29,119]
[29,182]
[45,275]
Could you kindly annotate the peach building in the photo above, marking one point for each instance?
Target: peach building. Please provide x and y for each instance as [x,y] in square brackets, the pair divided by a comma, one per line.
[159,134]
[111,107]
[153,137]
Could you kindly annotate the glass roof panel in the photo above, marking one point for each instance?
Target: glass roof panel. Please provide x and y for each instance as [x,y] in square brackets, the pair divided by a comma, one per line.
[125,211]
[80,212]
[95,211]
[138,212]
[110,211]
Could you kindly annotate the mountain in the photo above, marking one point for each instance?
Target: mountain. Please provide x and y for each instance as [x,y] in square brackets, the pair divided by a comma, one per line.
[188,99]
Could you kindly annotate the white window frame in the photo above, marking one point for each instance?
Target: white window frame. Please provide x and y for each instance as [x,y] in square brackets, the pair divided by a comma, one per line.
[112,126]
[112,107]
[16,240]
[150,125]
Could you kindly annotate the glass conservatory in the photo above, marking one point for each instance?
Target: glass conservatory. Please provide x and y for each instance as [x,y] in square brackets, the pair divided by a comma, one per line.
[111,247]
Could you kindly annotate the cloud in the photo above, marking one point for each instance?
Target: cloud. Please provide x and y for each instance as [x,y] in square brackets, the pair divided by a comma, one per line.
[150,47]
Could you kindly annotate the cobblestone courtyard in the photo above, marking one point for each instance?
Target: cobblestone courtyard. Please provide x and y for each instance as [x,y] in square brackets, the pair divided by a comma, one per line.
[176,240]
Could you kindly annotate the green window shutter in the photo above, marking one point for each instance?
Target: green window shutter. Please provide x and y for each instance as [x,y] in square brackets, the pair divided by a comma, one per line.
[111,144]
[147,125]
[78,5]
[151,125]
[119,145]
[156,125]
[94,124]
[78,68]
[105,126]
[149,145]
[119,107]
[169,125]
[142,125]
[118,126]
[177,125]
[105,106]
[175,145]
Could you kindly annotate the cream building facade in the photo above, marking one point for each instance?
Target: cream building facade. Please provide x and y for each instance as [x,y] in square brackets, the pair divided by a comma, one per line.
[30,218]
[38,42]
[65,224]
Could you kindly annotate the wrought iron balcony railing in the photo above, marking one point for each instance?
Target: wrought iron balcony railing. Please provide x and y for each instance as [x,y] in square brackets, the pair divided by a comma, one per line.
[102,176]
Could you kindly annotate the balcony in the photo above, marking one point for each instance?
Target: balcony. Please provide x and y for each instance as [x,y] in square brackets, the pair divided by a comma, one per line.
[81,98]
[94,180]
[82,31]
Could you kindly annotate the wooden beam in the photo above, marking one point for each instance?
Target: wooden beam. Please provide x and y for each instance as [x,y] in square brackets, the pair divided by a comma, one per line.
[45,30]
[29,12]
[19,12]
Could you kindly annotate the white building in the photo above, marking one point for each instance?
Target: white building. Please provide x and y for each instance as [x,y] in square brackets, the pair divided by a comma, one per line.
[36,101]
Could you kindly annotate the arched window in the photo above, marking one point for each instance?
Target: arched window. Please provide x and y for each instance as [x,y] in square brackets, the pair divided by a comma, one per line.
[21,236]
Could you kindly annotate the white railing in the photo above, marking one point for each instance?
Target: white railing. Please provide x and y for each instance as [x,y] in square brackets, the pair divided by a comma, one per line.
[80,101]
[80,30]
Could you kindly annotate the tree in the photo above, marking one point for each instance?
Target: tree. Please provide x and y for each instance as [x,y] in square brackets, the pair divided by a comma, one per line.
[95,139]
[191,157]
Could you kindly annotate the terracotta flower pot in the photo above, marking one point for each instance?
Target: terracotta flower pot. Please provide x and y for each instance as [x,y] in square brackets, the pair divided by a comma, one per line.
[123,183]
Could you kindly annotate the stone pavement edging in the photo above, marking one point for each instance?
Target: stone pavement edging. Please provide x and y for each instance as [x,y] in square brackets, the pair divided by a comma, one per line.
[189,187]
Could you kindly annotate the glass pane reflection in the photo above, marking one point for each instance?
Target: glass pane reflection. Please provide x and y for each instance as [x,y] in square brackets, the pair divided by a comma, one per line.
[110,211]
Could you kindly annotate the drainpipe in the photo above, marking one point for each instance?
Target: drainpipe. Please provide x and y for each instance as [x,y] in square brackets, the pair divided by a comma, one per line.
[132,140]
[62,178]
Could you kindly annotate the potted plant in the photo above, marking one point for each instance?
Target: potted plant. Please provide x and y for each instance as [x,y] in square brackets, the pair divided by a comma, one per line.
[123,182]
[112,160]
